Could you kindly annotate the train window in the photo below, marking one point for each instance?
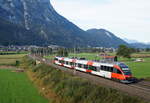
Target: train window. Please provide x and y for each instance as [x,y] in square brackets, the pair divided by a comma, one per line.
[102,67]
[66,62]
[105,68]
[56,59]
[98,68]
[108,69]
[63,61]
[76,64]
[80,65]
[86,66]
[119,72]
[111,69]
[114,70]
[71,63]
[127,72]
[92,68]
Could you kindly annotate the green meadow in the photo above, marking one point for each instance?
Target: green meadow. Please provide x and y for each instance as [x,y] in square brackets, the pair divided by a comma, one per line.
[17,88]
[140,69]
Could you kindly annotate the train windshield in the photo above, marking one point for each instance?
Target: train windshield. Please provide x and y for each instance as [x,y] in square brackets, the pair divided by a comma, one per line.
[122,65]
[125,69]
[127,72]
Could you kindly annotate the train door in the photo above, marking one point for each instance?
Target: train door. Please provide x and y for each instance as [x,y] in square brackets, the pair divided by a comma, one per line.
[117,74]
[105,72]
[96,71]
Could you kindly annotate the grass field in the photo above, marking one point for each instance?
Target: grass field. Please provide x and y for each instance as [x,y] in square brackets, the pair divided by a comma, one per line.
[10,59]
[140,69]
[17,88]
[89,56]
[14,52]
[141,54]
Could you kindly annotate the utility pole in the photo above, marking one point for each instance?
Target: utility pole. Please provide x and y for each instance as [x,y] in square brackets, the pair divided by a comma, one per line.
[74,71]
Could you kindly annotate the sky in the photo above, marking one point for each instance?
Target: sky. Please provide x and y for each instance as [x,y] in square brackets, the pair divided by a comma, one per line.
[125,18]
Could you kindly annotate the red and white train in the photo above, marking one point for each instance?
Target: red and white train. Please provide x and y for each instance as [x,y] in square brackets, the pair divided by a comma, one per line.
[116,70]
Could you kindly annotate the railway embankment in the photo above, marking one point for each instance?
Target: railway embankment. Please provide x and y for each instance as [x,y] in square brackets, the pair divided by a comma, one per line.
[63,87]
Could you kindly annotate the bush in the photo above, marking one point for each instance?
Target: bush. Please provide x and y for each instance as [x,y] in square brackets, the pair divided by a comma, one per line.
[17,63]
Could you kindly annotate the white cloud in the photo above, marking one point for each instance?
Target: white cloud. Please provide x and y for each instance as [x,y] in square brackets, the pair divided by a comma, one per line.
[125,18]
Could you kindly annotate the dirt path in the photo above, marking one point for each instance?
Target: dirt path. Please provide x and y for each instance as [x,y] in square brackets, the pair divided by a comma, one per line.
[7,67]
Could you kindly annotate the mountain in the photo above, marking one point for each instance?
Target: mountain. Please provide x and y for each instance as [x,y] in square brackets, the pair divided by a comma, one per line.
[130,41]
[140,45]
[137,44]
[105,38]
[40,17]
[35,22]
[17,35]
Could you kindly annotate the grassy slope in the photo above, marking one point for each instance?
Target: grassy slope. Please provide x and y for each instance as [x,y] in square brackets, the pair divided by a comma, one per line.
[72,89]
[16,88]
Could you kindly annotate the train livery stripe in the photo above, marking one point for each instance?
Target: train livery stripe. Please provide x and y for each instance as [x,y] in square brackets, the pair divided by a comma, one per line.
[117,76]
[88,71]
[102,74]
[96,73]
[80,69]
[90,63]
[67,66]
[73,60]
[117,67]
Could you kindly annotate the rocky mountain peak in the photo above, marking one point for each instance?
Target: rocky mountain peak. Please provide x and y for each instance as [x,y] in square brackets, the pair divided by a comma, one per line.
[37,20]
[26,12]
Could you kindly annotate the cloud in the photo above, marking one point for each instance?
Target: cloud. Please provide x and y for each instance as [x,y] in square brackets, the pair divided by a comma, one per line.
[125,18]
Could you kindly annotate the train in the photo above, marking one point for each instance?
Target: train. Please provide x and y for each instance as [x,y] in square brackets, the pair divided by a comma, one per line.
[117,71]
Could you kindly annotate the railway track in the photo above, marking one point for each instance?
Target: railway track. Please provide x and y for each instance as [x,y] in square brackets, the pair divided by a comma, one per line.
[142,85]
[140,89]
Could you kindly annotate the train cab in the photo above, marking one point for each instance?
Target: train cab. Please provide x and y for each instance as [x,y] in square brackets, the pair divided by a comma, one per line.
[128,78]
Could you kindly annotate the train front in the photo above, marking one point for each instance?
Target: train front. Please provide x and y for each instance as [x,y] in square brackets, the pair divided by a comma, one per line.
[127,74]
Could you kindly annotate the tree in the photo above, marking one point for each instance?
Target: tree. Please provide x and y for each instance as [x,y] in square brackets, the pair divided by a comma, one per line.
[65,53]
[147,49]
[124,51]
[62,52]
[116,59]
